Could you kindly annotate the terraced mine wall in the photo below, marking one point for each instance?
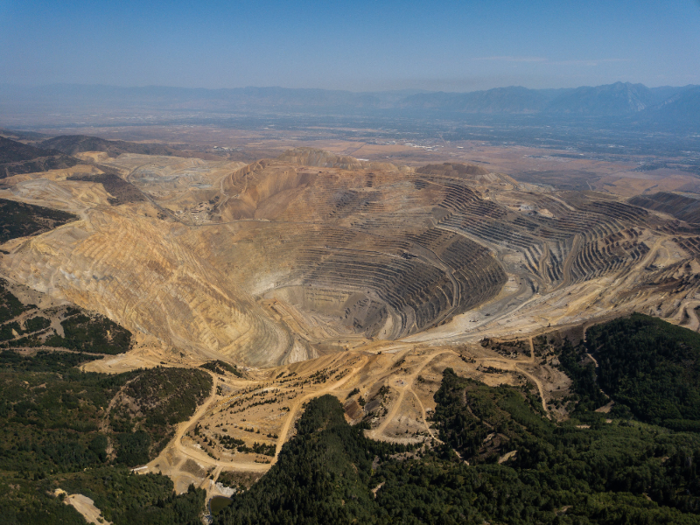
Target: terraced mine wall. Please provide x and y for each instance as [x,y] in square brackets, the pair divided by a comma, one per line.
[361,260]
[287,259]
[385,253]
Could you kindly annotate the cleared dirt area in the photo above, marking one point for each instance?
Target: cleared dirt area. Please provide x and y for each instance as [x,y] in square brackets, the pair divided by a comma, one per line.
[85,506]
[389,385]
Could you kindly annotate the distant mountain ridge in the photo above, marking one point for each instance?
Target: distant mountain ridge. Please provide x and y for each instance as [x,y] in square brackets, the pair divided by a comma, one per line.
[682,107]
[608,100]
[499,100]
[662,104]
[612,99]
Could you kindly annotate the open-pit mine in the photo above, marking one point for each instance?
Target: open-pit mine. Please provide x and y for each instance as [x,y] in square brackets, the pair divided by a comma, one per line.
[315,273]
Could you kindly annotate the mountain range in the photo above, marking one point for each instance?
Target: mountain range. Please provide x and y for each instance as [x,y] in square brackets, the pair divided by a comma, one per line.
[660,104]
[609,100]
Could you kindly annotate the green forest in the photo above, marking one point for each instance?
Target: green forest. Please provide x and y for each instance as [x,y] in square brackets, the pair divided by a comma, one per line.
[18,219]
[221,367]
[82,331]
[651,367]
[55,432]
[610,473]
[501,460]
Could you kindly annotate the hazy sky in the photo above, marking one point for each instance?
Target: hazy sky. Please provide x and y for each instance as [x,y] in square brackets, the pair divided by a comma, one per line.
[358,45]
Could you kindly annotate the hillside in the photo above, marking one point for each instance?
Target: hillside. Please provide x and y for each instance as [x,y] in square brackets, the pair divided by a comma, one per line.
[17,158]
[683,207]
[650,367]
[18,219]
[72,144]
[533,470]
[62,428]
[680,109]
[22,135]
[611,100]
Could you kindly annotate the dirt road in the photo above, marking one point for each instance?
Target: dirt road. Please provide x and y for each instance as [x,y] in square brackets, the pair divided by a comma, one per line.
[299,402]
[378,432]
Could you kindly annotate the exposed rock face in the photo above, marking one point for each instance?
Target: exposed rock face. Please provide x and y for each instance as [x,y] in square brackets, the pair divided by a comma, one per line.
[287,259]
[137,272]
[365,257]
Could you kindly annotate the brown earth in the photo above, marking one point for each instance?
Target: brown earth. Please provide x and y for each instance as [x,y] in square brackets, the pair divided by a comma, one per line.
[316,273]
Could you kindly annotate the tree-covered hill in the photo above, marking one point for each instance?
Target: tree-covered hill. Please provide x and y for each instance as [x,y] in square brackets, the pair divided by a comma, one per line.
[25,326]
[18,219]
[503,460]
[648,367]
[17,158]
[57,430]
[609,473]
